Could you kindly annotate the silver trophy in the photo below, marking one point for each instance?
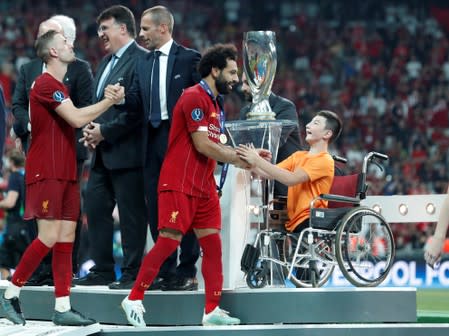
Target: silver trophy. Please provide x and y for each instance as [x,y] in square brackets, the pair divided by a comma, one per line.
[259,64]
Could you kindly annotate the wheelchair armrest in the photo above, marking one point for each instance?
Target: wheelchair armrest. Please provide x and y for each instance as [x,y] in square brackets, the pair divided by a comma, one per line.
[279,200]
[339,198]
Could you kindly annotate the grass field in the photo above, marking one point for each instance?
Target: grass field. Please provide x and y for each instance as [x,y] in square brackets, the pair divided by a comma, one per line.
[432,305]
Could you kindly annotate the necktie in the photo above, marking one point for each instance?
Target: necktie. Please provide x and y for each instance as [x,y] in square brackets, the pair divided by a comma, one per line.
[105,77]
[155,105]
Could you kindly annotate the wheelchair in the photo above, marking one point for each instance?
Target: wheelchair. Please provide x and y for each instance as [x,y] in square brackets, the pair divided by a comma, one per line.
[346,234]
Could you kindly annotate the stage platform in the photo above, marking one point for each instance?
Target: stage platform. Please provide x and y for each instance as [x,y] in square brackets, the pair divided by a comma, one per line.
[39,328]
[268,311]
[261,306]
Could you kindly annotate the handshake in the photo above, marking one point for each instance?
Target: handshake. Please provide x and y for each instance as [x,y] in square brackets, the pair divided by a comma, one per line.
[115,93]
[252,156]
[92,132]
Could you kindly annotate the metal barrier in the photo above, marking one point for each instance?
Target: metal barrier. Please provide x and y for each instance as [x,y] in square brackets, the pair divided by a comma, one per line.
[407,208]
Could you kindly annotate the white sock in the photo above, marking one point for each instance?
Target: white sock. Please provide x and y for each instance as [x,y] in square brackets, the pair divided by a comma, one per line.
[62,304]
[12,291]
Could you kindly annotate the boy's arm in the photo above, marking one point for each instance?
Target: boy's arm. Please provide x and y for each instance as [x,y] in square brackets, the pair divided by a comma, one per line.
[282,175]
[266,169]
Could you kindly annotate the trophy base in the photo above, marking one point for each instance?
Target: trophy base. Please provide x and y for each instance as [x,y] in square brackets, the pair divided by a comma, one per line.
[261,111]
[260,116]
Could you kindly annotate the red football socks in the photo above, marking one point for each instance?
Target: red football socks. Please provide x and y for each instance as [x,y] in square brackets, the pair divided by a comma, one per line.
[62,268]
[31,258]
[212,269]
[151,265]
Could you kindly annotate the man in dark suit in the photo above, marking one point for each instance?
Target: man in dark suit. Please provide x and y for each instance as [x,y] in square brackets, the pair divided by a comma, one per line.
[79,81]
[116,174]
[284,110]
[177,70]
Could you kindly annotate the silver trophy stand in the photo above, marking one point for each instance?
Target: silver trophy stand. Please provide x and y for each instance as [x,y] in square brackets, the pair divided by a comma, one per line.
[265,134]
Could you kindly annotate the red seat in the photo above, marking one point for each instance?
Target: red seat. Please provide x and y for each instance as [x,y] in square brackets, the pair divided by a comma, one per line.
[346,185]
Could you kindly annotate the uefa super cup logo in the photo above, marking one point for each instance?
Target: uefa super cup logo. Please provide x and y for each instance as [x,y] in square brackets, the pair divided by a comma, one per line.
[259,64]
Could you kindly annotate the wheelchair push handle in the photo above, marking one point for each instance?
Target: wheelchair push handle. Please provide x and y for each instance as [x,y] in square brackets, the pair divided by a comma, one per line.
[339,159]
[371,158]
[378,155]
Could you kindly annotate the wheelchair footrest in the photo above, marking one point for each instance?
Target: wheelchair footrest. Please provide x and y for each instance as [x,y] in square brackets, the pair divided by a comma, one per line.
[249,258]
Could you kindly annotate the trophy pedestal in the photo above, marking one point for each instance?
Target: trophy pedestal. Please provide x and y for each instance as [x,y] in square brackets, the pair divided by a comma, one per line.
[237,203]
[261,111]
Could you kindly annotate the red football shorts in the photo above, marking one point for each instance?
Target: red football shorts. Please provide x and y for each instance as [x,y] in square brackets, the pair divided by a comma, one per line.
[183,212]
[52,199]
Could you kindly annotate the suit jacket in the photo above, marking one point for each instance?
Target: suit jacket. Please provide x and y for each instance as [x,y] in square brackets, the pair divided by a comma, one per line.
[78,80]
[120,126]
[181,73]
[284,110]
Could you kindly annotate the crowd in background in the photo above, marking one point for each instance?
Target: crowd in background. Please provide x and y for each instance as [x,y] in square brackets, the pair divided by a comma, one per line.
[383,68]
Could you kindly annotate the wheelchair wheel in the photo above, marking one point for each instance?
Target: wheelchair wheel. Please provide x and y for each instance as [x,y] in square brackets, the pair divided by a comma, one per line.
[258,277]
[308,272]
[364,247]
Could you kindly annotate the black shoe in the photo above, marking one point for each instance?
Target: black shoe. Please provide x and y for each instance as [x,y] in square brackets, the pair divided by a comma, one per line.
[41,279]
[125,282]
[12,310]
[159,284]
[94,279]
[183,284]
[71,318]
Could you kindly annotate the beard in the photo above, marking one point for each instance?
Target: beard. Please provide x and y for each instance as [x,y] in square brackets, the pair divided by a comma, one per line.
[248,96]
[222,85]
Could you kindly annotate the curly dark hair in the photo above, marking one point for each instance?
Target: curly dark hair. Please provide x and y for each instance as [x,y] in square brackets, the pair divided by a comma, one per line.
[216,56]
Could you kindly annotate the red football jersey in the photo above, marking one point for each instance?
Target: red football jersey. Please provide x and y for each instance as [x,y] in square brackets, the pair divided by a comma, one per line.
[52,153]
[184,168]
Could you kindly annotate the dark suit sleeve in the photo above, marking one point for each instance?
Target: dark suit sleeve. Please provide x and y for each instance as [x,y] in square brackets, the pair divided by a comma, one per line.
[196,60]
[84,85]
[124,123]
[81,88]
[128,118]
[20,105]
[285,110]
[133,101]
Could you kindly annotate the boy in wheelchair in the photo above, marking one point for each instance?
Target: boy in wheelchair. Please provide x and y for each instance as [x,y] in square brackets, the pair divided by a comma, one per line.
[306,173]
[317,238]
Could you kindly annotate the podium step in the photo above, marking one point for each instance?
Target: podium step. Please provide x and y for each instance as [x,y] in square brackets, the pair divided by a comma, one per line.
[262,306]
[264,312]
[41,328]
[399,329]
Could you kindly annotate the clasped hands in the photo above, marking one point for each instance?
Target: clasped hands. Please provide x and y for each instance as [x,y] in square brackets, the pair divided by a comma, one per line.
[91,135]
[250,154]
[115,92]
[91,132]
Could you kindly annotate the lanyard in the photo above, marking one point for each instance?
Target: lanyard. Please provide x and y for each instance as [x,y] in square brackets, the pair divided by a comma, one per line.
[219,101]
